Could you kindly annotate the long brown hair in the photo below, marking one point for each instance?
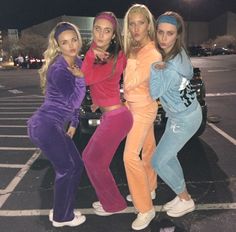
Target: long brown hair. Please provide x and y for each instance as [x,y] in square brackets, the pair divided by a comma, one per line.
[116,43]
[179,43]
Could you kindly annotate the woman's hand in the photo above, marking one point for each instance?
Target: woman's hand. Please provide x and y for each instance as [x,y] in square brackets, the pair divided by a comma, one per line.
[101,54]
[71,131]
[94,107]
[76,71]
[160,65]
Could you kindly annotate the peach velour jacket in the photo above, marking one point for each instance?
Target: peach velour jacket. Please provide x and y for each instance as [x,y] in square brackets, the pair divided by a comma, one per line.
[137,75]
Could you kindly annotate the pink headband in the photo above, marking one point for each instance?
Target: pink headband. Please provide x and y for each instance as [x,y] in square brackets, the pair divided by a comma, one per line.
[108,17]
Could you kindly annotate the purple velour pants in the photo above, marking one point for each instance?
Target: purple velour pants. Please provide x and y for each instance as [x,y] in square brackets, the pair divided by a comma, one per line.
[50,136]
[98,155]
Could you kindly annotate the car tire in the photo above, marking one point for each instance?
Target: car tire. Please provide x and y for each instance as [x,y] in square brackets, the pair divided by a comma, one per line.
[204,122]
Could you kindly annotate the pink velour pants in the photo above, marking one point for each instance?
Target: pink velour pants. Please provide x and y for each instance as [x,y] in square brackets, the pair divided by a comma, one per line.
[98,155]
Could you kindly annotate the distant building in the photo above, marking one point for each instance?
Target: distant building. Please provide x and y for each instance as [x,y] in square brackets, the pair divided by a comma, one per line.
[12,34]
[84,24]
[223,25]
[196,32]
[199,32]
[7,35]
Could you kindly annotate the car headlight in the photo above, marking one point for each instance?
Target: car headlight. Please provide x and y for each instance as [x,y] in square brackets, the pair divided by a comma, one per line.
[94,122]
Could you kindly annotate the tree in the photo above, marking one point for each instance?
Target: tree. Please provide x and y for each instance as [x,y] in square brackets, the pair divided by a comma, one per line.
[32,44]
[9,48]
[86,44]
[226,41]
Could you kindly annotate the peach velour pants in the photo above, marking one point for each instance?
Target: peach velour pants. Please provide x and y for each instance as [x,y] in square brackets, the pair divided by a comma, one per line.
[141,177]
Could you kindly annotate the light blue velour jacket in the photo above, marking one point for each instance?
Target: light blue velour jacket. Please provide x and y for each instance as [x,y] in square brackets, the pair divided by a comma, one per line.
[172,86]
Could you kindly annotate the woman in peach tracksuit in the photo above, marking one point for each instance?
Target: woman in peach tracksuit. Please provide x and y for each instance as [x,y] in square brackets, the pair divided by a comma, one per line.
[141,52]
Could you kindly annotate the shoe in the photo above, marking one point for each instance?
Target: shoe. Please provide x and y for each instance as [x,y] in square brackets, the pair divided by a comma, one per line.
[50,216]
[181,208]
[101,212]
[171,203]
[143,220]
[153,196]
[75,222]
[96,204]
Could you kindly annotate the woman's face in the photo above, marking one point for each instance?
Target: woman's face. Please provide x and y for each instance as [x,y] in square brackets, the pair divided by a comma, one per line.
[166,36]
[138,28]
[69,43]
[103,33]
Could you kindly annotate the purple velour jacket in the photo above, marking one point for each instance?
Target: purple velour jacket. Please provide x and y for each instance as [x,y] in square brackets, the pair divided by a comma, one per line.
[64,93]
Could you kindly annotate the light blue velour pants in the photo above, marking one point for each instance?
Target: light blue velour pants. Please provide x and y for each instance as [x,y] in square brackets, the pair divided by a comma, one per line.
[177,133]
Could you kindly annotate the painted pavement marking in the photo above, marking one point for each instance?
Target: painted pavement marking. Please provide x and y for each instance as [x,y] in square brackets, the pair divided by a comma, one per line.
[87,211]
[18,148]
[18,108]
[16,112]
[14,136]
[13,126]
[16,180]
[219,70]
[15,91]
[14,118]
[221,132]
[220,94]
[12,165]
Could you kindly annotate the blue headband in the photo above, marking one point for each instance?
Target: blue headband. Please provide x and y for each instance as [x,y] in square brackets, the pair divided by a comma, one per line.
[167,19]
[62,27]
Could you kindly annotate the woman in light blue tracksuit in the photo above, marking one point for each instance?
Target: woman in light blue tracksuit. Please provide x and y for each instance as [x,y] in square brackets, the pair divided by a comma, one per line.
[170,82]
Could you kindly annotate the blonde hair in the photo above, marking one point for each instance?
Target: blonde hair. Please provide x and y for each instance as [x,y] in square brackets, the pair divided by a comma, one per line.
[52,52]
[141,9]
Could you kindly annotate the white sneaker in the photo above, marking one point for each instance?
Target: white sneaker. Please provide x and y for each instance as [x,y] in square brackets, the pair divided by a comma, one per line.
[171,203]
[101,212]
[153,196]
[96,204]
[50,216]
[75,222]
[181,208]
[143,220]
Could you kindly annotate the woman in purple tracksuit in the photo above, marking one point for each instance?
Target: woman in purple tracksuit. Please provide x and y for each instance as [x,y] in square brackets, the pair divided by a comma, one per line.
[64,87]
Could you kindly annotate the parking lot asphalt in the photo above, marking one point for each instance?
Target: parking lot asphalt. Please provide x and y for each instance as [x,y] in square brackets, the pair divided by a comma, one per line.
[26,186]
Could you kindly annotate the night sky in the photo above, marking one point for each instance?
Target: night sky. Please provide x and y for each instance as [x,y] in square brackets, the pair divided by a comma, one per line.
[20,14]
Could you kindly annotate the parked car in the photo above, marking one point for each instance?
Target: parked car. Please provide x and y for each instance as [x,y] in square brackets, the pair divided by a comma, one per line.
[28,62]
[199,51]
[221,51]
[31,62]
[90,120]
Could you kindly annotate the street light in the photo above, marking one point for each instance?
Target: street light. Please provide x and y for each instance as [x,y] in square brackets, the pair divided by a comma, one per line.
[188,2]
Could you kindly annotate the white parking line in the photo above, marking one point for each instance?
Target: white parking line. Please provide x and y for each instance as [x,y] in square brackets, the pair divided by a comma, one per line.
[13,126]
[225,135]
[15,181]
[220,94]
[219,70]
[18,108]
[15,91]
[19,103]
[25,96]
[16,112]
[14,118]
[21,100]
[18,148]
[12,165]
[14,136]
[88,211]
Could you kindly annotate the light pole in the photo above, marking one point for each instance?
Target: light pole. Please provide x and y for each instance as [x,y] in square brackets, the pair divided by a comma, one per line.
[188,2]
